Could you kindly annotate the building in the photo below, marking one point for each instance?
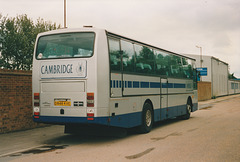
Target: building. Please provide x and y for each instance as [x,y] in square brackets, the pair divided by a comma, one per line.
[233,86]
[213,71]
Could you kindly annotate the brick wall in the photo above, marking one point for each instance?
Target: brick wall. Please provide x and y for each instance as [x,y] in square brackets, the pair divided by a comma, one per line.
[204,91]
[15,100]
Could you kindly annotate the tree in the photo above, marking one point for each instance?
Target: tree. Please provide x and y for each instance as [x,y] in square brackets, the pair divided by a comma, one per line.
[231,76]
[17,39]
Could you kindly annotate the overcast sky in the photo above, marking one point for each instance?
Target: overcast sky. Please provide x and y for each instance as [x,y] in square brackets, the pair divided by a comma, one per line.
[175,25]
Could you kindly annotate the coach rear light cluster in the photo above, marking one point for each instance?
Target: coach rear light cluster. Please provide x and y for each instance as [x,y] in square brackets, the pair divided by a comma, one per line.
[36,99]
[36,103]
[90,116]
[90,99]
[36,112]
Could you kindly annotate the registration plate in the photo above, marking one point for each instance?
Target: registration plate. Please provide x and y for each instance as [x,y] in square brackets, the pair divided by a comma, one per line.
[62,102]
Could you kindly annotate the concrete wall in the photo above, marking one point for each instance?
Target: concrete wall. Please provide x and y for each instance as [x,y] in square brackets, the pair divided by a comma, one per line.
[204,91]
[219,78]
[15,101]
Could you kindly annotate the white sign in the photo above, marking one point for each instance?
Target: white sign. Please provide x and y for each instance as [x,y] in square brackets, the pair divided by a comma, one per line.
[63,69]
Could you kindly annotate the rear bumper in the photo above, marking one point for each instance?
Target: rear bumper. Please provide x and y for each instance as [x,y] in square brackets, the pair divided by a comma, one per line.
[71,120]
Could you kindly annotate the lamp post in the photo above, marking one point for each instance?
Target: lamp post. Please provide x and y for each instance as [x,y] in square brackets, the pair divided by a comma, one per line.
[65,15]
[200,55]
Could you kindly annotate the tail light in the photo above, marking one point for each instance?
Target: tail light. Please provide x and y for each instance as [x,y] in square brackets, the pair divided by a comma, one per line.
[36,96]
[90,99]
[90,116]
[36,113]
[36,99]
[90,103]
[36,103]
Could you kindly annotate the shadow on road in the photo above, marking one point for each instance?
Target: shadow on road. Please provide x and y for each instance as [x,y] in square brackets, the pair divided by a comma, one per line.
[90,135]
[97,134]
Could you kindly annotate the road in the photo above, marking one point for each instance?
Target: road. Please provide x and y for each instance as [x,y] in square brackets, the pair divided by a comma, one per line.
[211,134]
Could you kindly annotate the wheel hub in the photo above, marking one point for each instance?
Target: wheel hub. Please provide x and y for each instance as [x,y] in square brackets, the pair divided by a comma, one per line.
[148,118]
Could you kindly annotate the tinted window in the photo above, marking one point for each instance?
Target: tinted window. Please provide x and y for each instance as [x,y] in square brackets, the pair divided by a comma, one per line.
[187,68]
[145,59]
[128,56]
[137,58]
[65,45]
[115,56]
[175,63]
[162,63]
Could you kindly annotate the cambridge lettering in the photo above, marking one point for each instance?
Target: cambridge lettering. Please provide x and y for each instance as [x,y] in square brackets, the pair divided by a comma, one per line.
[56,69]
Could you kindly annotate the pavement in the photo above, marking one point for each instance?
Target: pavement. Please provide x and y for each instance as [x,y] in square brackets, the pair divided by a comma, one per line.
[209,103]
[20,141]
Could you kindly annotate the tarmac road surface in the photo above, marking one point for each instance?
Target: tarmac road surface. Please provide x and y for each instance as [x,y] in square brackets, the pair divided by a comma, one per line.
[211,134]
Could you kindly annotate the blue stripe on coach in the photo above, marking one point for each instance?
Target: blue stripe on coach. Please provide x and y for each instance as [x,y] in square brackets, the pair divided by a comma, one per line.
[143,84]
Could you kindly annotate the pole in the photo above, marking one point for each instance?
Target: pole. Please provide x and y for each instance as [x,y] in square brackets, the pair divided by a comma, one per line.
[200,59]
[65,15]
[201,56]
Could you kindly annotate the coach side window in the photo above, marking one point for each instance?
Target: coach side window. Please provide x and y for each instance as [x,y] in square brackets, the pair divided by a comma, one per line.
[162,63]
[115,55]
[128,59]
[176,66]
[145,59]
[187,68]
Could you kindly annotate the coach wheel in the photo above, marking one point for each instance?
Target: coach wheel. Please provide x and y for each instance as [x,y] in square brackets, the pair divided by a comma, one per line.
[189,110]
[147,118]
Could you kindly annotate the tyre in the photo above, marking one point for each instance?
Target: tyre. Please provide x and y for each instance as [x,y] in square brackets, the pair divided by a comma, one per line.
[189,110]
[147,118]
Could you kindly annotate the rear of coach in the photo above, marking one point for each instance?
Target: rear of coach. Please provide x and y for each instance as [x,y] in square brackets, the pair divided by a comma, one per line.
[70,67]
